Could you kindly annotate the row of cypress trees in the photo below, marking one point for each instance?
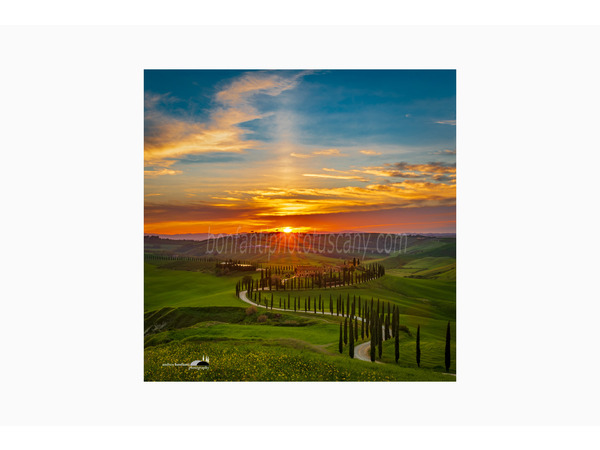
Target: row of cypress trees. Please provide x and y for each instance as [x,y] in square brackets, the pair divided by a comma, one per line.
[270,278]
[380,331]
[345,307]
[374,321]
[378,320]
[166,257]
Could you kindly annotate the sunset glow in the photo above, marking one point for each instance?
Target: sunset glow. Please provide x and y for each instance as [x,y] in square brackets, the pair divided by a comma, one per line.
[235,151]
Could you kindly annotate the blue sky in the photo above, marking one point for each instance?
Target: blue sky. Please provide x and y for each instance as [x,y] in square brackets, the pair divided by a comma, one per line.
[308,141]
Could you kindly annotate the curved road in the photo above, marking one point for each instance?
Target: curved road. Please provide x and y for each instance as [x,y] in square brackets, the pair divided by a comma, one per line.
[361,351]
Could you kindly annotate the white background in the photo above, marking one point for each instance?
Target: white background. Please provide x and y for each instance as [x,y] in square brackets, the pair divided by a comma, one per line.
[71,115]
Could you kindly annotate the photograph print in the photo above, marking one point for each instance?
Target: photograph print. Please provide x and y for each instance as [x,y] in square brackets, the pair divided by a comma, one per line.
[299,225]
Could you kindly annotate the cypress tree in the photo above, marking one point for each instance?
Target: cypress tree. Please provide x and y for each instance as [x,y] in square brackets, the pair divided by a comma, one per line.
[396,343]
[419,345]
[345,331]
[351,345]
[387,327]
[341,339]
[448,347]
[348,305]
[355,328]
[362,327]
[380,337]
[372,348]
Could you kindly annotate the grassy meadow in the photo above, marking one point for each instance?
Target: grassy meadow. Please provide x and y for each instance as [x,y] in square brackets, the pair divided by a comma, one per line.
[191,309]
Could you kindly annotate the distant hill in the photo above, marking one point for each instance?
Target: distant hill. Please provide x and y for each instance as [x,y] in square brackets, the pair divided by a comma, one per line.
[280,248]
[182,237]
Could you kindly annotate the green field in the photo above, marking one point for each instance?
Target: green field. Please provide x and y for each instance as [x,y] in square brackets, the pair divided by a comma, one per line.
[275,360]
[190,310]
[177,288]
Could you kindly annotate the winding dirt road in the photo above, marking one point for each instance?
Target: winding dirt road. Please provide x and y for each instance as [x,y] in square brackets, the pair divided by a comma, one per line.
[361,351]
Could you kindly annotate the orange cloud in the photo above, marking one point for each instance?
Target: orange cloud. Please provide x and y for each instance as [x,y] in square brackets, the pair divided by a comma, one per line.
[160,172]
[301,155]
[168,138]
[432,170]
[336,177]
[327,152]
[370,152]
[301,201]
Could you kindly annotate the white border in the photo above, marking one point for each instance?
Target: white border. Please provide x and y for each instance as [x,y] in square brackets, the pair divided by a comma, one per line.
[72,184]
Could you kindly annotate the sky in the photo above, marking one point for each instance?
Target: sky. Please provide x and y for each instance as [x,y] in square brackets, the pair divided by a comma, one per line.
[312,150]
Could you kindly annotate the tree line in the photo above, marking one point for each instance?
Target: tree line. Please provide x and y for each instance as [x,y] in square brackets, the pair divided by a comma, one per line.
[362,318]
[274,279]
[165,257]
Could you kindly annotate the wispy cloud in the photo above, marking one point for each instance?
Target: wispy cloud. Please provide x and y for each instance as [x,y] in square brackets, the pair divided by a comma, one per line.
[334,170]
[301,155]
[303,201]
[251,83]
[260,207]
[259,149]
[327,152]
[414,171]
[336,177]
[167,138]
[445,152]
[160,172]
[383,172]
[430,167]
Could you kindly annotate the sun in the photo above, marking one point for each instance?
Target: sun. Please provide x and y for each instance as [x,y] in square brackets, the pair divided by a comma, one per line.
[287,230]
